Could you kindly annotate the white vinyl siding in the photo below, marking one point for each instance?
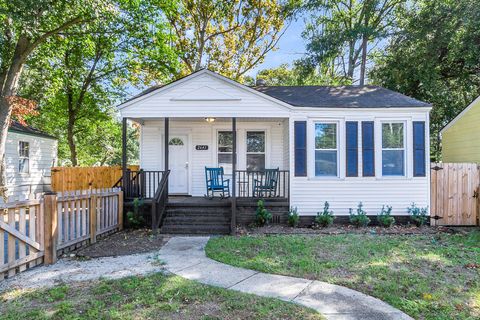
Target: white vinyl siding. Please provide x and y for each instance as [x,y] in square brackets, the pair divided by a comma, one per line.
[309,193]
[42,155]
[203,133]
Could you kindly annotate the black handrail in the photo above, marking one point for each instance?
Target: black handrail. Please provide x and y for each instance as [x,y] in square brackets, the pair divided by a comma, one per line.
[159,202]
[141,184]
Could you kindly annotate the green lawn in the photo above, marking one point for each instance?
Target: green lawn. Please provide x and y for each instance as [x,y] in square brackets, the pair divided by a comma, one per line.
[153,297]
[428,277]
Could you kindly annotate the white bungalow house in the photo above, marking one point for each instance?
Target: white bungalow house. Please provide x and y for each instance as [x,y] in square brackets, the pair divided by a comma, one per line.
[29,155]
[343,145]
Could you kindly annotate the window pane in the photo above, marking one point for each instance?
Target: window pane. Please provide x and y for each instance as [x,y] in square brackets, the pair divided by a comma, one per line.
[23,147]
[225,161]
[255,141]
[392,135]
[392,162]
[325,163]
[255,162]
[325,136]
[225,139]
[23,165]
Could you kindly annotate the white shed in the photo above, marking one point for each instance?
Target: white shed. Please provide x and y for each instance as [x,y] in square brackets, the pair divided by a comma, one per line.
[29,155]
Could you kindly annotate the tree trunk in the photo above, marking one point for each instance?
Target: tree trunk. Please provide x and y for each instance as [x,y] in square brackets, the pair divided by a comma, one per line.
[363,65]
[71,145]
[5,112]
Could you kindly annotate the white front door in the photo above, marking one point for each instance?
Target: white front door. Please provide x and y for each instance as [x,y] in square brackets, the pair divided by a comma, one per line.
[178,164]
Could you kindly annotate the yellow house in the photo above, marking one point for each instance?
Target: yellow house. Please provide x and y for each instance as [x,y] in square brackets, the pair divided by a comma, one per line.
[461,137]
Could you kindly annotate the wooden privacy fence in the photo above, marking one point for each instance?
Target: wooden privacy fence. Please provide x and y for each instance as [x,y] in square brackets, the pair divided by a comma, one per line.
[36,230]
[455,194]
[83,178]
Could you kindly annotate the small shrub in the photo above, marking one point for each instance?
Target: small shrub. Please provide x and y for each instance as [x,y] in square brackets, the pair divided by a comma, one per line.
[293,217]
[135,218]
[262,216]
[384,218]
[418,215]
[359,219]
[325,218]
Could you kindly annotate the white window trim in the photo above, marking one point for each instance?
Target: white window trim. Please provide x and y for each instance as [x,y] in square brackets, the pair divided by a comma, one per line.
[340,122]
[217,132]
[406,148]
[264,147]
[21,157]
[242,129]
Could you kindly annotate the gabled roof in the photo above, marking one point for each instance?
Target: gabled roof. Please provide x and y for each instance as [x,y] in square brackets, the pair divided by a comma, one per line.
[366,96]
[341,97]
[16,126]
[460,115]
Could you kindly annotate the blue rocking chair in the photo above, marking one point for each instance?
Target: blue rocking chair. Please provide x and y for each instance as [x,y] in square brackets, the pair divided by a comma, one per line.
[266,186]
[216,183]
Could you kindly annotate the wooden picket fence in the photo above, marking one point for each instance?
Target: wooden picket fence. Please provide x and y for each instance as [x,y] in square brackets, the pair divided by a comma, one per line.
[83,178]
[35,231]
[455,194]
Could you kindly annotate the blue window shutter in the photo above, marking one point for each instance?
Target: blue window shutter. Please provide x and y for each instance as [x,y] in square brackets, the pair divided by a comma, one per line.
[300,132]
[368,149]
[419,149]
[351,134]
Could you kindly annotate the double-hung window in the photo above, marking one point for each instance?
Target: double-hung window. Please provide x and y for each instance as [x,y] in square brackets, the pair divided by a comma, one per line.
[23,157]
[255,150]
[393,149]
[224,150]
[326,150]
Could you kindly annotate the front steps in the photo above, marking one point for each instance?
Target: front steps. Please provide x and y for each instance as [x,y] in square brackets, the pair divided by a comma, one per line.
[193,218]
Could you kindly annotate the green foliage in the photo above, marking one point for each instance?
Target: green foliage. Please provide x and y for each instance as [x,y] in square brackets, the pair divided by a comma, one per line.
[262,215]
[338,30]
[78,80]
[298,74]
[135,218]
[293,217]
[229,37]
[359,218]
[325,218]
[384,218]
[435,58]
[418,215]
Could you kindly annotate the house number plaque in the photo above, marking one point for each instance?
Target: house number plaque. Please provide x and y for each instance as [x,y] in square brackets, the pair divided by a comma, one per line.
[201,147]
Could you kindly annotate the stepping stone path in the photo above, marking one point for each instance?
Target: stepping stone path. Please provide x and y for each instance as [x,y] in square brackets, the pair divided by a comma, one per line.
[185,256]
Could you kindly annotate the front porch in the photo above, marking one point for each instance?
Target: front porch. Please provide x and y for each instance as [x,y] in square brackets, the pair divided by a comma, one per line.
[174,156]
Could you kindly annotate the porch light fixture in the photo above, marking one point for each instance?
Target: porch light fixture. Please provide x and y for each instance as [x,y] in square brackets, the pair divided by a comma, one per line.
[210,120]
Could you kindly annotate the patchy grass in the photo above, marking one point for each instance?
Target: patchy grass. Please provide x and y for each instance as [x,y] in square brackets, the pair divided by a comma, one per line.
[426,276]
[153,297]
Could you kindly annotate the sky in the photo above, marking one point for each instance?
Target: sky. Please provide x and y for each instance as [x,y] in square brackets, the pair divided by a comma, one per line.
[291,46]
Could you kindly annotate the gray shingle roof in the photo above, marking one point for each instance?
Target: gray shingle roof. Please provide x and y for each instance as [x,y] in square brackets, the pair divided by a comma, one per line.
[18,127]
[340,96]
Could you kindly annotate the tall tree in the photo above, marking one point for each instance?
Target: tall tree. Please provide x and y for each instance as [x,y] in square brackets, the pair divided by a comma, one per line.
[436,58]
[298,75]
[89,73]
[27,24]
[341,32]
[228,36]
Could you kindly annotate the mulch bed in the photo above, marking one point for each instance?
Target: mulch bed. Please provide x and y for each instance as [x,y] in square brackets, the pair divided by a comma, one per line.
[130,241]
[344,229]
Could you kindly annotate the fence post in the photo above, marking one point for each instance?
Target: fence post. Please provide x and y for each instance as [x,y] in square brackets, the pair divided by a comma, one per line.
[120,210]
[93,218]
[50,228]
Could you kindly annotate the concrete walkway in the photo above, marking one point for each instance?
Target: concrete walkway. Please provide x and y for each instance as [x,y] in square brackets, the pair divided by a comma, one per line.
[185,256]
